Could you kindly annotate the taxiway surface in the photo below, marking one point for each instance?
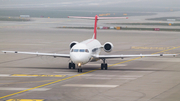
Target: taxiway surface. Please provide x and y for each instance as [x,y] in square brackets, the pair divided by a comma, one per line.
[47,78]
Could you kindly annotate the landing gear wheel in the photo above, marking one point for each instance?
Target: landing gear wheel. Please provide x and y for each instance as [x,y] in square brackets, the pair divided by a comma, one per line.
[70,65]
[104,66]
[73,65]
[79,70]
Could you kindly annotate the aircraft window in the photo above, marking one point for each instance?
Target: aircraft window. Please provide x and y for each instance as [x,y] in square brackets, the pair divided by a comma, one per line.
[87,50]
[81,50]
[75,50]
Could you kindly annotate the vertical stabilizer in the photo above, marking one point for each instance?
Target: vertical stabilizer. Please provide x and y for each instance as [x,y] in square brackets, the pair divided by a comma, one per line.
[95,27]
[96,19]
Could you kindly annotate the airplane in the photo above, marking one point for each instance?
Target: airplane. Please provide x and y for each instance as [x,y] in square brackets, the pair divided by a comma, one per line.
[89,50]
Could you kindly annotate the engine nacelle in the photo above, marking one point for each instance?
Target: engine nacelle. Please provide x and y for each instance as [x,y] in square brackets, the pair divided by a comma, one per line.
[72,44]
[108,47]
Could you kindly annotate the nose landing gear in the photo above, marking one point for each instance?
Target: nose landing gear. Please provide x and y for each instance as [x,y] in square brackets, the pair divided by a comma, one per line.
[79,67]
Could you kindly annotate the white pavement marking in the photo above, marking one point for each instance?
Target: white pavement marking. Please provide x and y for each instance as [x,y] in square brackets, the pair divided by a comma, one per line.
[89,85]
[29,75]
[147,68]
[130,76]
[65,72]
[37,89]
[123,77]
[4,75]
[108,64]
[22,76]
[110,78]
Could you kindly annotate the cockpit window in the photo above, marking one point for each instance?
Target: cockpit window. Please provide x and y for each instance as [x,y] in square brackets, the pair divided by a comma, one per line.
[80,50]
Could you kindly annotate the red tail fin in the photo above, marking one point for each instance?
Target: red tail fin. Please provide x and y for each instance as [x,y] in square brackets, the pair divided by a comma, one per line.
[95,27]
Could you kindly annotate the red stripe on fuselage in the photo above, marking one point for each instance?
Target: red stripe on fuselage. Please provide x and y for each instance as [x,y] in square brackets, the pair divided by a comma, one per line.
[90,41]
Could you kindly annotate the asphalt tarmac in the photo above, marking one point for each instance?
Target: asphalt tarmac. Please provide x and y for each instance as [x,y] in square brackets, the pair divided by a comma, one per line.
[42,78]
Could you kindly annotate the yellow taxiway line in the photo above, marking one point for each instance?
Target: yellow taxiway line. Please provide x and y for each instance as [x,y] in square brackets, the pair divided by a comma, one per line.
[25,100]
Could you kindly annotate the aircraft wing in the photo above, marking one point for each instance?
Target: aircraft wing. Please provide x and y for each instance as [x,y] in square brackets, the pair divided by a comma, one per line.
[81,17]
[128,56]
[40,54]
[105,18]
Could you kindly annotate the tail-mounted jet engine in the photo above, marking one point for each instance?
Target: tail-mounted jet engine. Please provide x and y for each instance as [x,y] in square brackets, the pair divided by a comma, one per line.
[72,44]
[108,47]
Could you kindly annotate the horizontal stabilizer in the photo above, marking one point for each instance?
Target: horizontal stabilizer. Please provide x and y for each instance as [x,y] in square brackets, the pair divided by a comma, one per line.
[99,18]
[96,18]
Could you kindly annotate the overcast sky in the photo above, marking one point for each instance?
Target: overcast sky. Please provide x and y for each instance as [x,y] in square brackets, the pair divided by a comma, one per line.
[79,3]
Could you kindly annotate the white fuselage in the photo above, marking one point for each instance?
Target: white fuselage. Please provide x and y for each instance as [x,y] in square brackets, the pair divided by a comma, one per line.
[84,52]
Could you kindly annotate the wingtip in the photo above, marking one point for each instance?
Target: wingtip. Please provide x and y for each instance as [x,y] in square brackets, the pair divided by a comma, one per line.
[175,55]
[3,51]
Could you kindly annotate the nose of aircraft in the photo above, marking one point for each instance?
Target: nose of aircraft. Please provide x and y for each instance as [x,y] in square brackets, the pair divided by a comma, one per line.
[81,58]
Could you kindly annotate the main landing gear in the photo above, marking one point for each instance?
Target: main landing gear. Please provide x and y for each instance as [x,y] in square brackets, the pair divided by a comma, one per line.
[71,64]
[104,65]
